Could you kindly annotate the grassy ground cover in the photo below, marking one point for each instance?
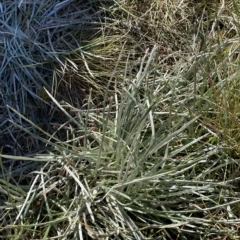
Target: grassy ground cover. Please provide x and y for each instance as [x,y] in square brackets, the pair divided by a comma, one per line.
[119,119]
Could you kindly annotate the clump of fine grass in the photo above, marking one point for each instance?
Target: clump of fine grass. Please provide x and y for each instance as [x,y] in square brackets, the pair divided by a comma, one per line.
[131,170]
[36,41]
[151,156]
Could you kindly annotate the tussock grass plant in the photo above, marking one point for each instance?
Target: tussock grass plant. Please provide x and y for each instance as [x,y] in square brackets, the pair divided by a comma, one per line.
[37,39]
[125,120]
[125,172]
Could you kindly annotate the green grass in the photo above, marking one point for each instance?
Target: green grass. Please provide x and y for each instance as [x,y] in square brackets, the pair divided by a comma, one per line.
[122,123]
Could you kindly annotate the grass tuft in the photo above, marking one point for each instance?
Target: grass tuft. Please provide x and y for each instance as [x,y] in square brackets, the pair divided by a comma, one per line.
[120,120]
